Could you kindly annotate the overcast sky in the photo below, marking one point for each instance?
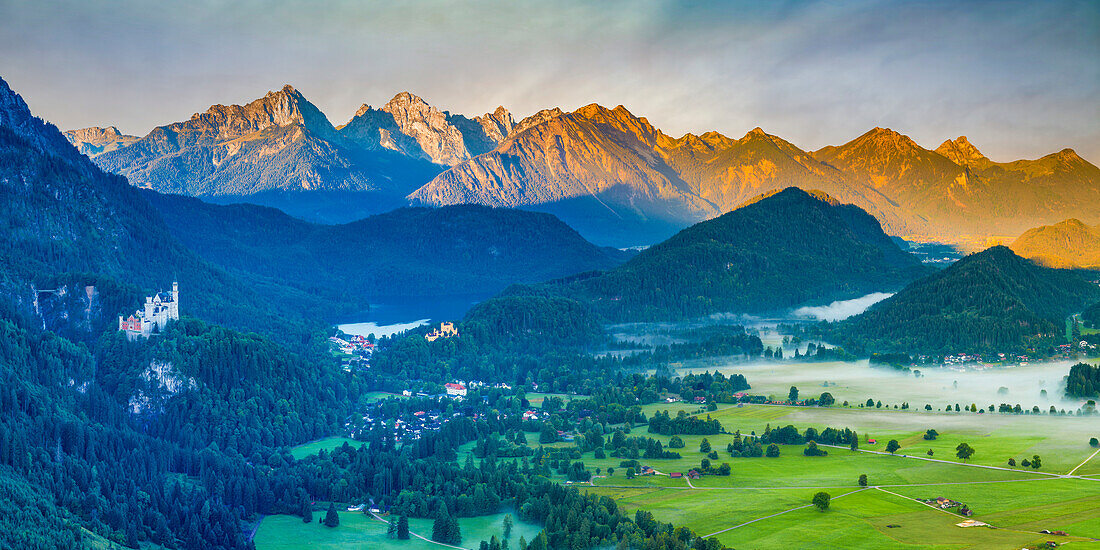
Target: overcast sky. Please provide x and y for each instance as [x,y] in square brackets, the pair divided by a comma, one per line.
[1020,79]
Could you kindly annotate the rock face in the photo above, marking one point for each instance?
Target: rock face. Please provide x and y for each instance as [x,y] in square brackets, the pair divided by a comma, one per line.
[95,140]
[1068,244]
[278,143]
[407,124]
[963,153]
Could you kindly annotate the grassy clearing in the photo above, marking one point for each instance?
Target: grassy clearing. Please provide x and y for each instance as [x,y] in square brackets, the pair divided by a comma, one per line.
[328,444]
[358,530]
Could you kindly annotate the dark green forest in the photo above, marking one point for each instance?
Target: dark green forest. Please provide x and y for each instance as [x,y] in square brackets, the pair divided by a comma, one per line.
[782,251]
[991,301]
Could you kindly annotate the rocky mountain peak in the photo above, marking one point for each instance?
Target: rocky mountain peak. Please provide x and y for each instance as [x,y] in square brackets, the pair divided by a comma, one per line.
[538,118]
[95,140]
[963,153]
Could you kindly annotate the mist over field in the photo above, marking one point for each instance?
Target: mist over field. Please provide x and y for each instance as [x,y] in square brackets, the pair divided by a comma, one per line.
[857,381]
[841,309]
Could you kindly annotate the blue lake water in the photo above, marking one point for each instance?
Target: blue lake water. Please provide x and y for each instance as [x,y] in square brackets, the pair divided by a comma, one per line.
[393,315]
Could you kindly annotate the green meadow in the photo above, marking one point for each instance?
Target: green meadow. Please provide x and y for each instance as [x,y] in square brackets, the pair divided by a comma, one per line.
[358,530]
[327,444]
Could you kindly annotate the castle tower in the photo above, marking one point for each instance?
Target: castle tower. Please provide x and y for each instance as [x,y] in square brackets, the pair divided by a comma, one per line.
[174,307]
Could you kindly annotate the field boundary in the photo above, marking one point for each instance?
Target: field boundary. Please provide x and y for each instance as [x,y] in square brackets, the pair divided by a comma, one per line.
[780,513]
[1083,462]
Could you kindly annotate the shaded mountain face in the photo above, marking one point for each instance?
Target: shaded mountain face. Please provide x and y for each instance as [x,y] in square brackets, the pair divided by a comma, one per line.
[414,252]
[780,251]
[408,125]
[992,301]
[95,140]
[90,239]
[280,143]
[1067,244]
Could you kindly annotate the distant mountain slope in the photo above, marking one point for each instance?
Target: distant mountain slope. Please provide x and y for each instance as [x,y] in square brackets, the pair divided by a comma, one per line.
[95,140]
[956,193]
[779,251]
[275,147]
[409,125]
[68,225]
[1067,244]
[992,301]
[407,252]
[604,169]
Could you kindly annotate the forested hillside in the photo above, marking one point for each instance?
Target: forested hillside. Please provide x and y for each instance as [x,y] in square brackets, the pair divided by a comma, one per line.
[780,251]
[992,301]
[160,440]
[408,252]
[68,226]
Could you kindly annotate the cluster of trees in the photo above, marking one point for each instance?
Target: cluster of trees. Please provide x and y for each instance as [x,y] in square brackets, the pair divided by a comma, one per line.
[663,423]
[1083,381]
[789,435]
[645,447]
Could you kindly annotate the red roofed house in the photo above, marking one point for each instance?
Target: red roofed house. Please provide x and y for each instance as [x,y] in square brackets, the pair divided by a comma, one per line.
[456,389]
[676,475]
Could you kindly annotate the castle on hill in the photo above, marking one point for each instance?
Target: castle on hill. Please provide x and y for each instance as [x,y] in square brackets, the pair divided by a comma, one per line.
[445,330]
[159,309]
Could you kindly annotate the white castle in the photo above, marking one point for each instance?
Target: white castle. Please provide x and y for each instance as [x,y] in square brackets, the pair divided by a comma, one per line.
[159,309]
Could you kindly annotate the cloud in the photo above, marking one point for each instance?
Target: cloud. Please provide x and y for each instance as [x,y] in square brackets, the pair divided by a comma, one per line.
[1020,79]
[842,309]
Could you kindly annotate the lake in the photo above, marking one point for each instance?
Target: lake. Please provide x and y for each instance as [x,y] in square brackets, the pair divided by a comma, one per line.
[391,315]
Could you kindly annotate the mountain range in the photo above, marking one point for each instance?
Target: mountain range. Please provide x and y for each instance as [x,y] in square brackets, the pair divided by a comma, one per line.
[778,251]
[610,174]
[93,244]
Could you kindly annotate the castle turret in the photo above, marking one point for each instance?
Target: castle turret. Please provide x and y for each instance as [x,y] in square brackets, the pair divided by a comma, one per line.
[174,307]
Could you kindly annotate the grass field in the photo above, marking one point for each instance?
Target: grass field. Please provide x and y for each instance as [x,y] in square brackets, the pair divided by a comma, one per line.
[328,444]
[1018,501]
[358,530]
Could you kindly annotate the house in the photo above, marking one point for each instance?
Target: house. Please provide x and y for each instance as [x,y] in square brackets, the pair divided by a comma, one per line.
[701,399]
[455,390]
[676,475]
[872,441]
[647,471]
[693,474]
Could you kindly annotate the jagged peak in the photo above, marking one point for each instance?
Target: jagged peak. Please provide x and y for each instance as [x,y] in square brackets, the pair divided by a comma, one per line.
[755,133]
[363,109]
[961,152]
[405,100]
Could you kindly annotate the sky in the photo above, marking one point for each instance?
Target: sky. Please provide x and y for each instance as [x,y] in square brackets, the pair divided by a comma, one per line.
[1019,79]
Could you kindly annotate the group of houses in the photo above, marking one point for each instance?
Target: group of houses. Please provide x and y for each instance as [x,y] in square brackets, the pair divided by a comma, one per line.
[354,345]
[944,503]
